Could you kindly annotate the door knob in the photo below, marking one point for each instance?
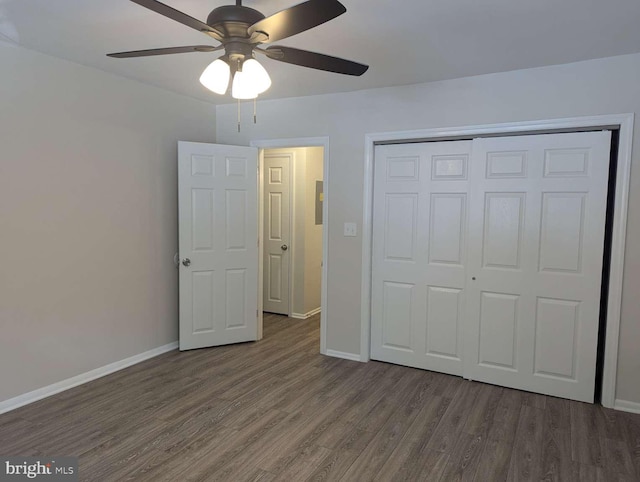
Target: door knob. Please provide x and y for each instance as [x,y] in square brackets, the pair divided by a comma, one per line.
[186,262]
[284,247]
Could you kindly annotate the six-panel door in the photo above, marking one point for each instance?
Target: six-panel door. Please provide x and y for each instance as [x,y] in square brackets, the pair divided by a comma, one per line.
[419,251]
[218,234]
[537,219]
[277,232]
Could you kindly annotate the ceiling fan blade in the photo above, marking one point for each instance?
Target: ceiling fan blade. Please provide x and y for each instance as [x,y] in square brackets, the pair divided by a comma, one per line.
[166,51]
[298,19]
[180,17]
[314,60]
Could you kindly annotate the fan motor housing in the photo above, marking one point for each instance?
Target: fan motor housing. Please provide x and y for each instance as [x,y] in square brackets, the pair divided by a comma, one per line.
[238,51]
[233,20]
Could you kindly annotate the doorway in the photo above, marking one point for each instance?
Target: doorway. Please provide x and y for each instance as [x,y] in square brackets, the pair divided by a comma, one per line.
[221,226]
[293,231]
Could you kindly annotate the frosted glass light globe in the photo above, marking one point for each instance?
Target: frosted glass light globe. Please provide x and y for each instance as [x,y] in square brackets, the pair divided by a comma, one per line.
[258,74]
[216,76]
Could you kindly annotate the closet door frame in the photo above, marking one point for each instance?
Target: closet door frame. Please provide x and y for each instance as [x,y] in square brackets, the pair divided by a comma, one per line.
[623,123]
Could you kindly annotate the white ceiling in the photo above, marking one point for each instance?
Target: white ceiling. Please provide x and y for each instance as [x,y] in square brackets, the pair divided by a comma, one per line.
[404,41]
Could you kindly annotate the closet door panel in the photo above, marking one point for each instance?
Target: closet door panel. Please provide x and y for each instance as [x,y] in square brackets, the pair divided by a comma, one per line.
[536,231]
[419,254]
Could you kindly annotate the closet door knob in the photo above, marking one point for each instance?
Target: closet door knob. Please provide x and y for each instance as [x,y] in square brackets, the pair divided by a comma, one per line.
[186,262]
[284,247]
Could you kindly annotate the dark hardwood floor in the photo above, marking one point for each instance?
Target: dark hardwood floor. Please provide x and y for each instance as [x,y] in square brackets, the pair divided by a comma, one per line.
[277,410]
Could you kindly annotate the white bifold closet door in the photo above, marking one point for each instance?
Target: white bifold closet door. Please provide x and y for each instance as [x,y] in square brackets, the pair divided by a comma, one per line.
[537,221]
[419,250]
[520,221]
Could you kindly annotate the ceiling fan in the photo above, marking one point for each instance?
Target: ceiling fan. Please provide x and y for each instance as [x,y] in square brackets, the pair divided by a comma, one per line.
[241,31]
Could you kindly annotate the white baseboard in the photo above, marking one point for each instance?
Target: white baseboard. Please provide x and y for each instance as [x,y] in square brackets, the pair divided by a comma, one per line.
[626,406]
[341,354]
[44,392]
[300,316]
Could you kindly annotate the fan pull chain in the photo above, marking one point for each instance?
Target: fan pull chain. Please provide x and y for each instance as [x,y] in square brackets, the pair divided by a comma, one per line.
[238,69]
[255,110]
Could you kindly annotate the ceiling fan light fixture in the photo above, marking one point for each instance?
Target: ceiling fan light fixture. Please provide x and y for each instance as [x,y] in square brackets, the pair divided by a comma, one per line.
[216,76]
[240,30]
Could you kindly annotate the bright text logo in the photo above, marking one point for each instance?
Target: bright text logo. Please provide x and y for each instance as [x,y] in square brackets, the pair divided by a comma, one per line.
[62,469]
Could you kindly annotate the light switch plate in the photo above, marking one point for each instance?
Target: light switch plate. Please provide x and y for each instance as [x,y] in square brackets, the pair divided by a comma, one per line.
[350,229]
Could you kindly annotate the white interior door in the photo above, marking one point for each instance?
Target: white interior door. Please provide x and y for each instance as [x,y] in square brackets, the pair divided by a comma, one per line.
[419,250]
[537,221]
[277,232]
[218,234]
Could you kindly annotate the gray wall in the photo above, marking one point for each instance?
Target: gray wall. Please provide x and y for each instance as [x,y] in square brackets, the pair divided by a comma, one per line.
[88,216]
[596,87]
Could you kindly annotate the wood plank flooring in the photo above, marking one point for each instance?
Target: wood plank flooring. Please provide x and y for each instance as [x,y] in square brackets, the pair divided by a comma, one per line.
[277,410]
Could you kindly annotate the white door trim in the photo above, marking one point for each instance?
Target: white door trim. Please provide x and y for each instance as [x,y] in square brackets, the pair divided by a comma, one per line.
[287,143]
[623,122]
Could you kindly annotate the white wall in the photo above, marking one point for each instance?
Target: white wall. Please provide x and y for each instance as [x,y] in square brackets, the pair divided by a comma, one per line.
[297,245]
[88,216]
[595,87]
[312,231]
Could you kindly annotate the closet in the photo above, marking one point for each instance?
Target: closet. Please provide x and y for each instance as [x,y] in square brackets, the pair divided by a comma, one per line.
[487,258]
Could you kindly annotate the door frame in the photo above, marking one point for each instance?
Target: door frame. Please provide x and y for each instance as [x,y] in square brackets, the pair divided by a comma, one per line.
[263,144]
[622,122]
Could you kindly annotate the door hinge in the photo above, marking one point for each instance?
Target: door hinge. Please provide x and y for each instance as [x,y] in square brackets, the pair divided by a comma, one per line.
[256,313]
